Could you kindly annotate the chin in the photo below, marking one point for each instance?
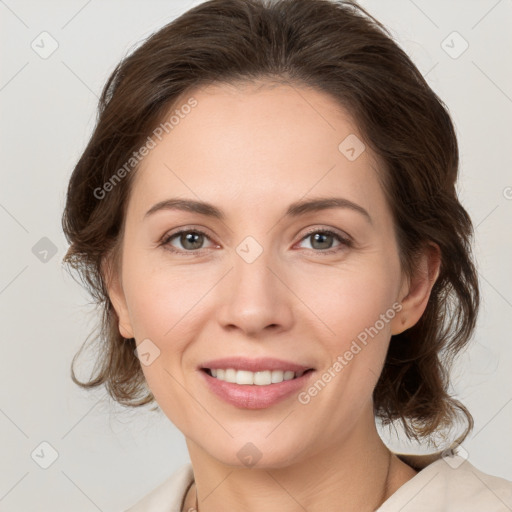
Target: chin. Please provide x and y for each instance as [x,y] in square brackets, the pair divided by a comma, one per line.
[259,453]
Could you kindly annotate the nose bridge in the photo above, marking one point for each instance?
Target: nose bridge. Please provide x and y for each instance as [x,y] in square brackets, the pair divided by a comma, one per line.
[254,297]
[251,274]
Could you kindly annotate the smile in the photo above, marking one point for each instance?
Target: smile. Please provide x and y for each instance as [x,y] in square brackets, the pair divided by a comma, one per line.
[259,378]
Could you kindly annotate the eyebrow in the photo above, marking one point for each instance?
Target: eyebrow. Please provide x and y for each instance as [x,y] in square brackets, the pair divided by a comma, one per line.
[294,210]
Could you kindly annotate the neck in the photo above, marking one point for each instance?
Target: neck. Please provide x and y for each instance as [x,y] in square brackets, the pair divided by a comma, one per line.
[358,474]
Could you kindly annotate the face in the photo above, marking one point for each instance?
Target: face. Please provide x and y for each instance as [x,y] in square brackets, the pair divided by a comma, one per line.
[260,281]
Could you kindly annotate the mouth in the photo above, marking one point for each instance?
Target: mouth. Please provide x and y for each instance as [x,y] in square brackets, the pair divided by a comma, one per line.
[255,390]
[255,383]
[257,378]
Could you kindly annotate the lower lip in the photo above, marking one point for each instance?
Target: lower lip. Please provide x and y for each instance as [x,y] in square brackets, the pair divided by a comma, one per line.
[253,396]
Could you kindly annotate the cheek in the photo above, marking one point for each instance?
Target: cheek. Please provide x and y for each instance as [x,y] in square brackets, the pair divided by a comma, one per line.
[349,299]
[160,295]
[167,305]
[164,308]
[357,307]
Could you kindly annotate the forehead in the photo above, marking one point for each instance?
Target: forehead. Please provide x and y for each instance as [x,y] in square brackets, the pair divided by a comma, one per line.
[259,142]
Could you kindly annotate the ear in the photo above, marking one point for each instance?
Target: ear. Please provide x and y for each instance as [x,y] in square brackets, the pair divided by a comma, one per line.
[415,291]
[112,278]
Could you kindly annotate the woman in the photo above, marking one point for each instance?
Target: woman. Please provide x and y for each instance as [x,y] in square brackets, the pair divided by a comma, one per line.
[267,211]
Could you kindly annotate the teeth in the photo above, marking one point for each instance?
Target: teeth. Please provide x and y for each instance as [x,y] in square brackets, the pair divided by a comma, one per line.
[263,378]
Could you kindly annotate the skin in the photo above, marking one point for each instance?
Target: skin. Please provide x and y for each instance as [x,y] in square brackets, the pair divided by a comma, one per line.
[251,150]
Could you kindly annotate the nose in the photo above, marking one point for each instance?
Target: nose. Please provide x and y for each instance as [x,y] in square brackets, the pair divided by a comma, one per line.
[255,297]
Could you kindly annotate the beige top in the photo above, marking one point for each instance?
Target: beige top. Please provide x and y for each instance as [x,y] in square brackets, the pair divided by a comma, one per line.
[446,482]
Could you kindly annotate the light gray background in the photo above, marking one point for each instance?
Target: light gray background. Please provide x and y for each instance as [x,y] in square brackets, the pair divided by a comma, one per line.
[108,457]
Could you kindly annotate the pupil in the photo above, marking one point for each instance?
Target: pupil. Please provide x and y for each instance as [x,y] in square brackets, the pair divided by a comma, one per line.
[321,236]
[188,240]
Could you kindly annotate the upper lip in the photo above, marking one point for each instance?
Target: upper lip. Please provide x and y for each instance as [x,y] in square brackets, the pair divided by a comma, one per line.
[254,365]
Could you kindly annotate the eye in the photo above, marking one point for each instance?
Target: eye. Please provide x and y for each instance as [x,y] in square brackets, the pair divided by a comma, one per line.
[322,239]
[190,240]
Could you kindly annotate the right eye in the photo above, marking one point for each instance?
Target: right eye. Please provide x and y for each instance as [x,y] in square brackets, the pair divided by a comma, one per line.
[190,240]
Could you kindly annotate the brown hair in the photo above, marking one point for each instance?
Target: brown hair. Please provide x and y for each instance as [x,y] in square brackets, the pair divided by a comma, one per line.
[341,50]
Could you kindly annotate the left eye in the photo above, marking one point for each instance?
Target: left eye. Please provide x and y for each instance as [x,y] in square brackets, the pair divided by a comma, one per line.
[323,239]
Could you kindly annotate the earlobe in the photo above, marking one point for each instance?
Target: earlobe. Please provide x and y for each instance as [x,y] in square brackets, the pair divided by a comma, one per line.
[399,323]
[117,298]
[416,293]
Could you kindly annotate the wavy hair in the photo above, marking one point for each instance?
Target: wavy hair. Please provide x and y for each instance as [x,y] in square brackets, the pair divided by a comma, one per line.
[339,49]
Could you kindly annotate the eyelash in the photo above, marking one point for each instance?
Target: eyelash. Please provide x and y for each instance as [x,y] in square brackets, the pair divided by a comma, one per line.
[344,242]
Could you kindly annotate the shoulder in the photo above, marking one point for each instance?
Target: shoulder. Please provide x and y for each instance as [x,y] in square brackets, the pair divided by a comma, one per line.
[168,495]
[449,482]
